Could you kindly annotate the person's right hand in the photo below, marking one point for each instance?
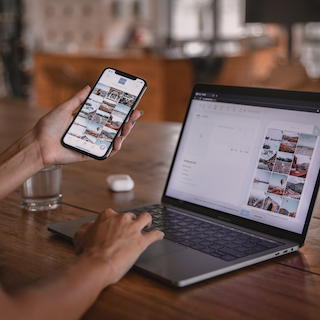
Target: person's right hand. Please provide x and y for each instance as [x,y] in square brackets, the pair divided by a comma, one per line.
[115,239]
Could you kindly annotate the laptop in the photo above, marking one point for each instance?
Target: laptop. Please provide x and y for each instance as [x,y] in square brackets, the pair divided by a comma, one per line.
[241,188]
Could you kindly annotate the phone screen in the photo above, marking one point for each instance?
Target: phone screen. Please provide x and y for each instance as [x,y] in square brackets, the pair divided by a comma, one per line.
[104,112]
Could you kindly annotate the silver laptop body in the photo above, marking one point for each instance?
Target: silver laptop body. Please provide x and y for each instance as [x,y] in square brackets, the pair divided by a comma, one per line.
[241,188]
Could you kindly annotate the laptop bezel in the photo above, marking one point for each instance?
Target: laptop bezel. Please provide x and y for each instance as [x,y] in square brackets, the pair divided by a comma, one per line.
[309,97]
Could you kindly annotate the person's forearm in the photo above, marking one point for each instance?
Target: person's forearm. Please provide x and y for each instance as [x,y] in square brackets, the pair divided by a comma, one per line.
[18,163]
[67,295]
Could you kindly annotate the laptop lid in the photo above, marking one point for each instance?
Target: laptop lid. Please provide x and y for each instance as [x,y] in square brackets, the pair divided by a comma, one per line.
[249,156]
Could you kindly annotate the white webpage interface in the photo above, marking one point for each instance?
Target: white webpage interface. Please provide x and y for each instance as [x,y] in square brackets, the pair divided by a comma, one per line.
[103,113]
[254,162]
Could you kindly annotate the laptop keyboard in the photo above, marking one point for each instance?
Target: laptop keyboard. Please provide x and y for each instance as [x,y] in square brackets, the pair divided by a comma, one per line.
[211,238]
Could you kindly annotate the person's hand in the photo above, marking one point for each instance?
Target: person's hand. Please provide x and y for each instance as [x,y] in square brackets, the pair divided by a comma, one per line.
[50,129]
[116,240]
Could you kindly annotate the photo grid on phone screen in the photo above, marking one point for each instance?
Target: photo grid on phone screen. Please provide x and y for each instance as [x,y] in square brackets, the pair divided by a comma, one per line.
[281,172]
[98,122]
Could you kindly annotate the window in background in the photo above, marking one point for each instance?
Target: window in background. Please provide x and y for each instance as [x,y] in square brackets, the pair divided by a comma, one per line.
[206,26]
[310,52]
[192,19]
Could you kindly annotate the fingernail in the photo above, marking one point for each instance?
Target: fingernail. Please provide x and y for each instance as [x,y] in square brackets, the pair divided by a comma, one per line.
[162,234]
[122,138]
[133,123]
[141,112]
[85,87]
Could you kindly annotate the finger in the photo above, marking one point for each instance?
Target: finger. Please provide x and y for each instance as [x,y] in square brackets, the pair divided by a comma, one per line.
[128,126]
[132,215]
[74,112]
[105,214]
[117,145]
[85,226]
[136,115]
[73,103]
[144,220]
[152,236]
[82,230]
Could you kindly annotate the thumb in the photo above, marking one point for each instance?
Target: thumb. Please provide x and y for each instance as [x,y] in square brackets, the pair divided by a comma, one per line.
[73,103]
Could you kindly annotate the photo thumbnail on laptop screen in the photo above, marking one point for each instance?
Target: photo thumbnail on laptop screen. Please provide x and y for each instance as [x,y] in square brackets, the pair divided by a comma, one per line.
[103,113]
[259,163]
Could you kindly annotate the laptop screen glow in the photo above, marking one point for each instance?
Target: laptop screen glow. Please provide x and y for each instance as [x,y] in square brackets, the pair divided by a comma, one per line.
[257,162]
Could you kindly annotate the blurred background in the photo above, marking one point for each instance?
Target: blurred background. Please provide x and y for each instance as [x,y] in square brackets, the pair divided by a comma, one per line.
[50,49]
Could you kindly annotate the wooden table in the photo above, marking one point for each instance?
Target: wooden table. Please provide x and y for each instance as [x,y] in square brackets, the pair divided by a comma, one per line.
[284,288]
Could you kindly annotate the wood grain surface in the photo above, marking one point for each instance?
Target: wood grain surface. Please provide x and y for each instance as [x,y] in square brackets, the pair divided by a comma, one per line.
[284,288]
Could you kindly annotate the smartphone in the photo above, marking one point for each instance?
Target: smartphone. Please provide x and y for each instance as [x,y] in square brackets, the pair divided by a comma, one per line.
[103,114]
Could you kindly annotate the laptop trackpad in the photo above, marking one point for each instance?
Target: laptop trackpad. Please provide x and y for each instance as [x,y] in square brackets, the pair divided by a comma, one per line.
[160,248]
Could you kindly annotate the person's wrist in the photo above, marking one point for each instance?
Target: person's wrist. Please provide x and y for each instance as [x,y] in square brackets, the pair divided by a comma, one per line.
[99,268]
[30,146]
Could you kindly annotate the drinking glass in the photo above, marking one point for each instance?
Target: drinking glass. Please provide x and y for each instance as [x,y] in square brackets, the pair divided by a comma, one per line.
[42,191]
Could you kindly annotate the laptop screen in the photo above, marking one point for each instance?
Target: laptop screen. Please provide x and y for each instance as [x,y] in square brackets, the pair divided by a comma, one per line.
[254,157]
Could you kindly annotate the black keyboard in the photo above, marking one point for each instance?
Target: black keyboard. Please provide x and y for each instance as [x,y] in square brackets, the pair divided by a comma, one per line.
[211,238]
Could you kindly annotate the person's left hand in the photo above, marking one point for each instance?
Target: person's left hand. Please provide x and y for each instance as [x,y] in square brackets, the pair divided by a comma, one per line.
[49,130]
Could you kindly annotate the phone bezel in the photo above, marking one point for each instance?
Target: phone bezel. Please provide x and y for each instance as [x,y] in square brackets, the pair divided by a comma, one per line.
[108,151]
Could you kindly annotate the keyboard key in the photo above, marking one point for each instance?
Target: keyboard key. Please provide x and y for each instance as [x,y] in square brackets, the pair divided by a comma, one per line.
[192,225]
[174,220]
[255,250]
[194,233]
[178,234]
[149,208]
[187,236]
[210,232]
[229,238]
[248,244]
[172,237]
[168,230]
[244,237]
[241,249]
[200,229]
[228,258]
[182,223]
[255,240]
[215,246]
[139,210]
[203,235]
[196,239]
[197,247]
[206,225]
[184,230]
[215,254]
[220,235]
[206,243]
[221,242]
[212,238]
[231,245]
[187,243]
[207,250]
[215,227]
[234,233]
[233,252]
[239,241]
[171,214]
